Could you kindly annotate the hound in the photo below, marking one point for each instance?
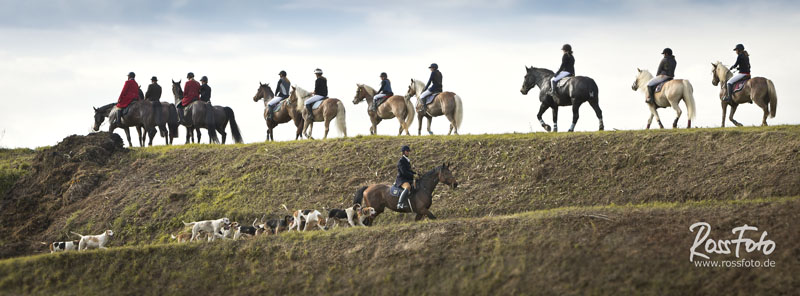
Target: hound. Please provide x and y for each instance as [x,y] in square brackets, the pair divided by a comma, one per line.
[210,226]
[314,218]
[62,246]
[278,225]
[361,215]
[94,241]
[298,218]
[182,237]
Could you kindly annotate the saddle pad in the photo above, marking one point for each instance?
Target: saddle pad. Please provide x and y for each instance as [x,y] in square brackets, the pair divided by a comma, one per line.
[660,85]
[739,86]
[395,191]
[279,107]
[316,105]
[431,98]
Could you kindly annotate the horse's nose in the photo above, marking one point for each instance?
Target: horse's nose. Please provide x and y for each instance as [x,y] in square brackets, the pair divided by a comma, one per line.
[522,90]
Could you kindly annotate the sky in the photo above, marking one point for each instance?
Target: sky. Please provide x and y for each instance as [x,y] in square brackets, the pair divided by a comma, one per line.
[60,58]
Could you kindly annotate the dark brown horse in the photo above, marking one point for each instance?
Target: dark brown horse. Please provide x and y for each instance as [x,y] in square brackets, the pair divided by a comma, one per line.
[378,196]
[286,113]
[199,113]
[167,125]
[140,113]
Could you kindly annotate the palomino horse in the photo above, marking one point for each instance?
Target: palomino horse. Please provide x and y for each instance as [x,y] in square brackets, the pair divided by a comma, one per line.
[328,110]
[574,91]
[140,113]
[200,116]
[670,95]
[394,106]
[757,90]
[445,103]
[285,114]
[378,196]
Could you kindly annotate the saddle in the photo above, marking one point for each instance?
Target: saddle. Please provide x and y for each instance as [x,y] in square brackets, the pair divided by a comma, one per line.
[431,98]
[660,85]
[318,103]
[561,83]
[739,85]
[396,190]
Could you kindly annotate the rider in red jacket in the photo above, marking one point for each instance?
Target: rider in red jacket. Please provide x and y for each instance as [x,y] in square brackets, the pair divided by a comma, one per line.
[191,92]
[130,92]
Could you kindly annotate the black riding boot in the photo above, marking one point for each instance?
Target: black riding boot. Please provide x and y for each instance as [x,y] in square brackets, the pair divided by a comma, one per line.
[552,91]
[118,118]
[651,90]
[374,106]
[310,109]
[402,203]
[180,116]
[729,94]
[269,112]
[424,108]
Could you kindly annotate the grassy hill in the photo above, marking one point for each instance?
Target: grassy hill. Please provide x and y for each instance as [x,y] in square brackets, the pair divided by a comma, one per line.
[601,212]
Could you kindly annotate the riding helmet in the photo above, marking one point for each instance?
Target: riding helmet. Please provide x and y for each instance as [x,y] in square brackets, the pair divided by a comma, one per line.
[567,47]
[667,51]
[154,78]
[190,75]
[434,66]
[131,75]
[204,79]
[739,47]
[383,74]
[282,73]
[318,71]
[405,148]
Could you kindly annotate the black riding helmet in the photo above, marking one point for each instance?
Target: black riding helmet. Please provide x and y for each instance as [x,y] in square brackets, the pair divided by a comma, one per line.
[131,75]
[434,66]
[739,47]
[667,51]
[190,75]
[567,47]
[405,148]
[383,74]
[282,73]
[154,78]
[204,79]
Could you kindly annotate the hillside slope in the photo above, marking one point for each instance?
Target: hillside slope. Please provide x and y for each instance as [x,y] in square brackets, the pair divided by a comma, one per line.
[90,183]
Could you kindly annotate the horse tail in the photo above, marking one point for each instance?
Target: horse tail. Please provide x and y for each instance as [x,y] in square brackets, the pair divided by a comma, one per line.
[459,111]
[172,121]
[409,112]
[341,123]
[211,125]
[359,196]
[157,118]
[773,98]
[688,98]
[237,136]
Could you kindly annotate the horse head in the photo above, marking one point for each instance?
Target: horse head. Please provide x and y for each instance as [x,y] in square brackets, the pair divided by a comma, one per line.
[413,90]
[715,75]
[100,115]
[177,92]
[263,92]
[446,175]
[529,82]
[641,79]
[361,94]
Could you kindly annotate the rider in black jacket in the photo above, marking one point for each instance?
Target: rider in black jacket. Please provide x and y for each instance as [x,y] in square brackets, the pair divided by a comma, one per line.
[743,64]
[205,90]
[405,177]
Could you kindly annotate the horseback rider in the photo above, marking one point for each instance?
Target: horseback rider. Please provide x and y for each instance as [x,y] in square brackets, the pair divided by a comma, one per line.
[384,92]
[153,90]
[282,88]
[434,85]
[130,92]
[743,64]
[205,90]
[567,68]
[666,71]
[191,91]
[320,93]
[405,177]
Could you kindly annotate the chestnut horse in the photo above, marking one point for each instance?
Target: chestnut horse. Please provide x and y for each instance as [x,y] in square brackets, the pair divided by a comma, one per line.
[284,115]
[757,90]
[394,106]
[329,109]
[378,197]
[445,103]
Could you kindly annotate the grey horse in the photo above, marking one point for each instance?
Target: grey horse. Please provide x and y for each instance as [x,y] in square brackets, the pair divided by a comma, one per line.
[574,91]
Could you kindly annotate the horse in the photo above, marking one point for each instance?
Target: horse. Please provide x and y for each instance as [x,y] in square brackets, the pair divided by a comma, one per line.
[574,91]
[140,113]
[394,106]
[200,113]
[757,90]
[445,103]
[285,114]
[378,196]
[329,109]
[670,95]
[168,125]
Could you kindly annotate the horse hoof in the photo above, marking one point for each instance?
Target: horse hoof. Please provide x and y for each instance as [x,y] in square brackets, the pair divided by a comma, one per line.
[602,128]
[430,133]
[570,130]
[546,127]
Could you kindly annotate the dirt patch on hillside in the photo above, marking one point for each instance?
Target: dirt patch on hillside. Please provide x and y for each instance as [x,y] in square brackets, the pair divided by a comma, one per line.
[60,175]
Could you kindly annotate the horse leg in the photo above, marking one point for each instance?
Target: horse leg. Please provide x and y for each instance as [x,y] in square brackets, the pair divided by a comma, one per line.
[543,108]
[224,135]
[733,110]
[327,127]
[452,124]
[575,114]
[650,120]
[763,105]
[430,118]
[402,125]
[555,117]
[428,213]
[677,109]
[128,135]
[419,120]
[418,217]
[598,112]
[724,110]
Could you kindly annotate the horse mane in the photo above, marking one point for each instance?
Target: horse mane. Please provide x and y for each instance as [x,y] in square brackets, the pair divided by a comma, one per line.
[546,71]
[642,79]
[369,89]
[300,95]
[105,108]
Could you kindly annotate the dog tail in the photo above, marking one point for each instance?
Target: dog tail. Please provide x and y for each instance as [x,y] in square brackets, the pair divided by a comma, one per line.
[173,236]
[44,243]
[75,233]
[254,222]
[358,197]
[188,224]
[287,209]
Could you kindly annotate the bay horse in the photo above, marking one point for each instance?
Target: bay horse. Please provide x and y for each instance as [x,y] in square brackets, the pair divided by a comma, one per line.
[140,113]
[201,116]
[421,198]
[572,91]
[168,125]
[329,109]
[445,103]
[284,115]
[670,95]
[394,106]
[757,90]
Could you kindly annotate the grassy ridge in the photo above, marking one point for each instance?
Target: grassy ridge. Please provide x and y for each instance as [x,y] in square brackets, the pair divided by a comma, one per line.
[639,248]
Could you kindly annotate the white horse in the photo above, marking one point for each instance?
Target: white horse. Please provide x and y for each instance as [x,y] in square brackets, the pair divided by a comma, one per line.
[446,103]
[329,109]
[670,95]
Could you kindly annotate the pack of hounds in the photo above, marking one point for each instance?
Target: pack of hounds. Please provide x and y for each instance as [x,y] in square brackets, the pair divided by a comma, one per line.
[223,228]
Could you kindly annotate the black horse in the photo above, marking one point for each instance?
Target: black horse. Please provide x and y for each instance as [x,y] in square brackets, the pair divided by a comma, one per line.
[575,91]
